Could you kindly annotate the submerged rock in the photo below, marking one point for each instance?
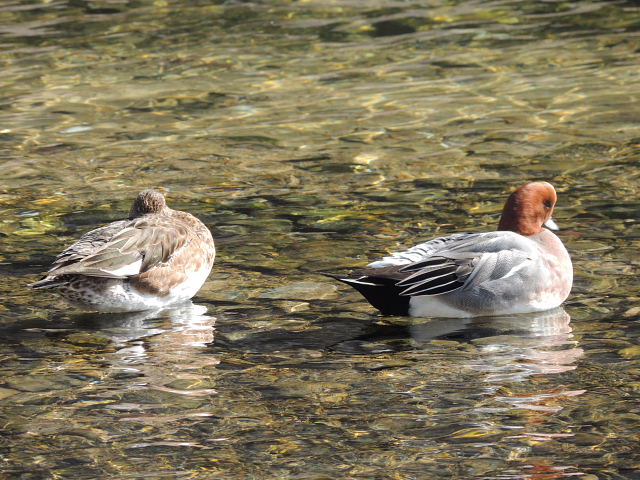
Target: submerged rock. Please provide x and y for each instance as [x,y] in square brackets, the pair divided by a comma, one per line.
[301,291]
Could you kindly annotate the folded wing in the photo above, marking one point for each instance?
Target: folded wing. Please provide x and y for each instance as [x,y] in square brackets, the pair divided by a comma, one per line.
[120,250]
[442,265]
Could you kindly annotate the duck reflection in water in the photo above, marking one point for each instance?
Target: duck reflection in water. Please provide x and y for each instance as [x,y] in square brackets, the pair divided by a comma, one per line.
[510,347]
[158,364]
[518,360]
[138,334]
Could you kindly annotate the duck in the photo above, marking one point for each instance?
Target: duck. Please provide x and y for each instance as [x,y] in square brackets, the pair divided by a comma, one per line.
[154,258]
[522,267]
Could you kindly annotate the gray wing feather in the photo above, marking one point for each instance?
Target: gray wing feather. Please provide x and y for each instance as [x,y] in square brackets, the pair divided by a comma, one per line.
[464,260]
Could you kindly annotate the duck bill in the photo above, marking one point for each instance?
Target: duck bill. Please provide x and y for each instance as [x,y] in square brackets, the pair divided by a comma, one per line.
[551,225]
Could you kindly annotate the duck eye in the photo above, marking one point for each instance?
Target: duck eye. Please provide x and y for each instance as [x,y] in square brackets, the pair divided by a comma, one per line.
[547,203]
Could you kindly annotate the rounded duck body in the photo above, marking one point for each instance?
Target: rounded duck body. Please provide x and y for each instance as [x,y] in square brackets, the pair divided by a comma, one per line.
[522,267]
[155,258]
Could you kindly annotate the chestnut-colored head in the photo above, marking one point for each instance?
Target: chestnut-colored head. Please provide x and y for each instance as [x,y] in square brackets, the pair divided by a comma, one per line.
[147,201]
[528,208]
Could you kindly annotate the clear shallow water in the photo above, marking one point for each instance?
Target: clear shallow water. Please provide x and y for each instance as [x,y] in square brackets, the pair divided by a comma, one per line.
[314,136]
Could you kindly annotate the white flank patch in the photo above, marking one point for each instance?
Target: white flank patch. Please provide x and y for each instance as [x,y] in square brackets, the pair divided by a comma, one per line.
[431,306]
[126,271]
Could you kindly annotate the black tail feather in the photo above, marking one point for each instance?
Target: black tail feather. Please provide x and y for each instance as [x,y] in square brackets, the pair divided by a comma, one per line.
[380,292]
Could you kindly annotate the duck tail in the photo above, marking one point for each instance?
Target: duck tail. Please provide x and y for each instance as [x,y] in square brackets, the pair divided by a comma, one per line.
[47,282]
[380,292]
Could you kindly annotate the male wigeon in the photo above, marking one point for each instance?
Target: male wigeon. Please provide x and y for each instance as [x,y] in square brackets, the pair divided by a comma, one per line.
[156,257]
[520,268]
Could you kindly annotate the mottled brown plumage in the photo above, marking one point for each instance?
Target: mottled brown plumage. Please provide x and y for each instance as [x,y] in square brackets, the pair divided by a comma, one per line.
[156,257]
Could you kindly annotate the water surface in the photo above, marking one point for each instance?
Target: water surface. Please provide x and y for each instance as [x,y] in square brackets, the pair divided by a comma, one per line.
[315,136]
